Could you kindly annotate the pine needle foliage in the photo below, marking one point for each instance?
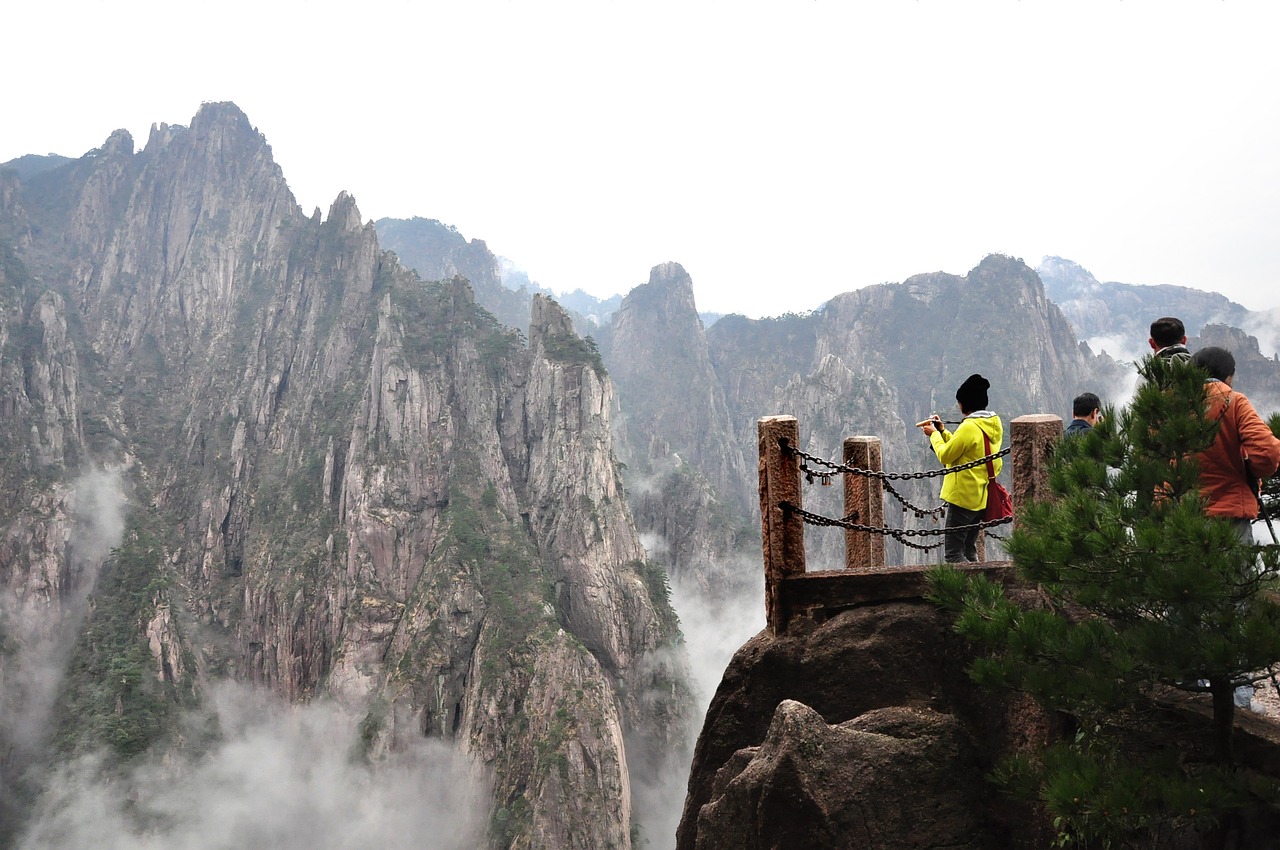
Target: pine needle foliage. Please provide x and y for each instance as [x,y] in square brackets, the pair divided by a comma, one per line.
[1144,595]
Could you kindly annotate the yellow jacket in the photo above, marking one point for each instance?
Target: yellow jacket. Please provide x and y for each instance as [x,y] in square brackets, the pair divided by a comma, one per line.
[968,488]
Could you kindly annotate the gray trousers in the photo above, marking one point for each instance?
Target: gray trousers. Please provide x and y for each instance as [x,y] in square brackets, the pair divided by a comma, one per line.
[961,545]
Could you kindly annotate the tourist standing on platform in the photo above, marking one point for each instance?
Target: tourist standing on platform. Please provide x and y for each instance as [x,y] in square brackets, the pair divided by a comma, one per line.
[1169,339]
[1086,409]
[965,492]
[1243,452]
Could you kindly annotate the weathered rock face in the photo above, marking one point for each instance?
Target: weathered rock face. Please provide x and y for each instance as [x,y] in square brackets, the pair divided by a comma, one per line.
[685,463]
[862,731]
[671,396]
[346,481]
[887,778]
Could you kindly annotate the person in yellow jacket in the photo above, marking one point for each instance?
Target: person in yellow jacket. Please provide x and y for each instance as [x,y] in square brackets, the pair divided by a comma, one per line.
[965,492]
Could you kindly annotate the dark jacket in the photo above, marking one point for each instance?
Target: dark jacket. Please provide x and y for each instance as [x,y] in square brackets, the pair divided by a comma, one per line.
[1177,352]
[1077,427]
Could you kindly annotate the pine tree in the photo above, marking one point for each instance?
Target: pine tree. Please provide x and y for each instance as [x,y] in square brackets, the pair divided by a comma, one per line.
[1145,596]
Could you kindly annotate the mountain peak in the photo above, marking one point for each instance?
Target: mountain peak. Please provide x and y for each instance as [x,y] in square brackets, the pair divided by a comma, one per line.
[224,113]
[670,273]
[344,213]
[119,143]
[548,317]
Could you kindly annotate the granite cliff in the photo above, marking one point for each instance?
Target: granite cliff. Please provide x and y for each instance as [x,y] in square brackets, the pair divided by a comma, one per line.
[341,482]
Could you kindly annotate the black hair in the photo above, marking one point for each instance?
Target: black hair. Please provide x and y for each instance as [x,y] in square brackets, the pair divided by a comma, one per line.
[1218,362]
[1168,331]
[1084,404]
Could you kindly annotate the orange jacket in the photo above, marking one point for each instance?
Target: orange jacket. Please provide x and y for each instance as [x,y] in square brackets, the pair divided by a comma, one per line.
[1242,434]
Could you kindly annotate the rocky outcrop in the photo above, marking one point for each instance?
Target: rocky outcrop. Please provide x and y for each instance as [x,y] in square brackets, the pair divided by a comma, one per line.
[884,779]
[861,731]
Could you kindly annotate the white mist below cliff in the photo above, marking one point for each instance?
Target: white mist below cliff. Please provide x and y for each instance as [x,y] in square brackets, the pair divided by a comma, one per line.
[280,776]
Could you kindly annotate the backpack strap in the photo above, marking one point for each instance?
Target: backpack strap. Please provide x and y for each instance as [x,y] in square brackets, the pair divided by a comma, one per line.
[991,470]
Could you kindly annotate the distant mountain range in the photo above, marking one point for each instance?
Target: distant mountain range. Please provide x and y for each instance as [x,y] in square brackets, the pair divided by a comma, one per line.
[1123,311]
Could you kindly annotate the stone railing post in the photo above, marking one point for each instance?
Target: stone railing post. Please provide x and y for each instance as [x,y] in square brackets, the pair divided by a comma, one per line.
[1031,445]
[782,532]
[863,499]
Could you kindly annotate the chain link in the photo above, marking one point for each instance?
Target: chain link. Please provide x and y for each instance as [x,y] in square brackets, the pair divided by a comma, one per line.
[899,533]
[919,546]
[834,468]
[920,512]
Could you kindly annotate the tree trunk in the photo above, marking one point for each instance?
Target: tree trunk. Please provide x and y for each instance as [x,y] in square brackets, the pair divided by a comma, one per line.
[1224,710]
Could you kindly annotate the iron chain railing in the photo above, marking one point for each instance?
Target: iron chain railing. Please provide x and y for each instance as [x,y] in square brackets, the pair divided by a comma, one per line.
[832,468]
[899,533]
[920,512]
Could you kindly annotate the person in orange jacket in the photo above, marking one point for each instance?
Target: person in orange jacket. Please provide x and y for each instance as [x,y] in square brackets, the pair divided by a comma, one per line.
[1244,446]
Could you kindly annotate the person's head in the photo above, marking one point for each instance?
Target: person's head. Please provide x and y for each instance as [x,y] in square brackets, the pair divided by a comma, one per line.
[972,394]
[1167,331]
[1218,362]
[1088,407]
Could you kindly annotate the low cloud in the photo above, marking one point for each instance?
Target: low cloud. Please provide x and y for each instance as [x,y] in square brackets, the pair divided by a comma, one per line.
[715,625]
[1265,325]
[98,505]
[1128,351]
[280,776]
[37,631]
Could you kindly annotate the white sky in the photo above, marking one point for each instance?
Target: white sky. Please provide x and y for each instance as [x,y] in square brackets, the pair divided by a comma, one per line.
[782,152]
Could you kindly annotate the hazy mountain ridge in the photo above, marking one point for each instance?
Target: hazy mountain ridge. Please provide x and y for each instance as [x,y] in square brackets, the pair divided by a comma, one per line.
[1125,311]
[342,481]
[29,165]
[437,251]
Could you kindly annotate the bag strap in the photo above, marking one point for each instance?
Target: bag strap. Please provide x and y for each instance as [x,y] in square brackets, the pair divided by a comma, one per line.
[991,470]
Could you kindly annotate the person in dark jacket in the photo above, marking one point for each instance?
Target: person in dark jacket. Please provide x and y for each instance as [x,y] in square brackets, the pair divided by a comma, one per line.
[1086,410]
[1169,339]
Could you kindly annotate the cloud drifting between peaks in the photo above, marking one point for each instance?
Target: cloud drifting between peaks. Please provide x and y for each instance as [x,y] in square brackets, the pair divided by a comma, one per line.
[281,777]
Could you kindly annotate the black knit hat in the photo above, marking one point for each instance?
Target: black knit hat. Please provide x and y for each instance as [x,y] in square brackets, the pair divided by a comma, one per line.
[972,394]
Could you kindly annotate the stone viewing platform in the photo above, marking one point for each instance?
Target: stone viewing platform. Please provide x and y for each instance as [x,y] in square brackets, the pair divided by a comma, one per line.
[791,591]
